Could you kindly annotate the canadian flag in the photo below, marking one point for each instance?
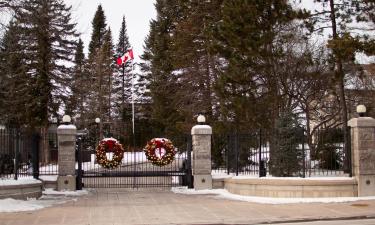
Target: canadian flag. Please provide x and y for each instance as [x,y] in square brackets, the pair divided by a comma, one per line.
[127,56]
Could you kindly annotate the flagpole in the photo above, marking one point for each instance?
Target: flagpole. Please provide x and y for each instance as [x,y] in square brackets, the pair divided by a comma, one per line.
[133,97]
[134,152]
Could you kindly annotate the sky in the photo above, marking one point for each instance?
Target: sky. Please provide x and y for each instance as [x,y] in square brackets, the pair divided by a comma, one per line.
[137,16]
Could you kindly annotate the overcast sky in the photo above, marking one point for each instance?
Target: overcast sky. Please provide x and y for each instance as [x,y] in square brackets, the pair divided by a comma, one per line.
[138,14]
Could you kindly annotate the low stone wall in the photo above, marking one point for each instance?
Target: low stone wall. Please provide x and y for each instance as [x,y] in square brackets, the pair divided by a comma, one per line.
[291,188]
[218,183]
[21,191]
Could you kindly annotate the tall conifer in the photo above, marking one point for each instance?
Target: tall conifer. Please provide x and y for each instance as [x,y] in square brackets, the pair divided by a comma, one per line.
[123,76]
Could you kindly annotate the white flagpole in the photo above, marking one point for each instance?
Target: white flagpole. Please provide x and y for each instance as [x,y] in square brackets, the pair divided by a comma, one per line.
[134,153]
[133,96]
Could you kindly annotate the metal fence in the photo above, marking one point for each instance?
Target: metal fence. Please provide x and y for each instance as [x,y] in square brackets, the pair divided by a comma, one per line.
[18,153]
[264,154]
[21,153]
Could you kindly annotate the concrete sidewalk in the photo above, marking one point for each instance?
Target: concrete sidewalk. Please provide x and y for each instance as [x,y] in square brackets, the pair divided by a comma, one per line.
[155,206]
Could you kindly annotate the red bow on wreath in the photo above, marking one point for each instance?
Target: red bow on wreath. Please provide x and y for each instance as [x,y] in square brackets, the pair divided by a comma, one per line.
[159,143]
[110,145]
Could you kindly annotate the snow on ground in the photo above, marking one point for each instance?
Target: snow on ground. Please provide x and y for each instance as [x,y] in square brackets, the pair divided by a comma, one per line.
[224,194]
[20,181]
[221,175]
[48,178]
[290,178]
[13,205]
[49,198]
[50,191]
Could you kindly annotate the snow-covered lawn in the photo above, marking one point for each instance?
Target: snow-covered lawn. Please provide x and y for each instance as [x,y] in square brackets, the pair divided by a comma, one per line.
[224,194]
[49,198]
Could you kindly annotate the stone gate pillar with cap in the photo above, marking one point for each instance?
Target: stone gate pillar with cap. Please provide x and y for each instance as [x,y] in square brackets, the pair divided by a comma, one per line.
[363,154]
[66,179]
[201,138]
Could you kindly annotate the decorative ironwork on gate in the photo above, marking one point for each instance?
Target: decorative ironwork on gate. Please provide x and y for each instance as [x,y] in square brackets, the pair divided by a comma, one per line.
[135,171]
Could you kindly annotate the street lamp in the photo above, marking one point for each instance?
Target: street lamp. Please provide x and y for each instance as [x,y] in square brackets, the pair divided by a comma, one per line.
[361,110]
[99,127]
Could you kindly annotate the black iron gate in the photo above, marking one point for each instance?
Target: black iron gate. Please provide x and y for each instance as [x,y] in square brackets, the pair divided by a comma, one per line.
[135,171]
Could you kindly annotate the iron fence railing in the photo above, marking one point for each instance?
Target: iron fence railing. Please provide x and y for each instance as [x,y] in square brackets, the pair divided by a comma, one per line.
[21,152]
[18,153]
[263,154]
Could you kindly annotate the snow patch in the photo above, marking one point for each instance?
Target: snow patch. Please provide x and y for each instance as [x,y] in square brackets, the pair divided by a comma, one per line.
[50,191]
[12,205]
[292,178]
[20,181]
[67,127]
[224,194]
[48,178]
[202,127]
[49,198]
[221,176]
[110,139]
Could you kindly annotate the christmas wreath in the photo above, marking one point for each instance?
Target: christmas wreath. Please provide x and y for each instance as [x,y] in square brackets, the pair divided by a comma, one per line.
[108,145]
[160,151]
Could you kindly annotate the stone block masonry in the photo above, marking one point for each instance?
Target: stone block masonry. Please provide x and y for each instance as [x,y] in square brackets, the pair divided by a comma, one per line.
[66,160]
[201,137]
[363,154]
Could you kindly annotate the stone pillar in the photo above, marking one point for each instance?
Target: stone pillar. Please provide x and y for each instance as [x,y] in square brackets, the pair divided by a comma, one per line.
[66,179]
[363,154]
[201,136]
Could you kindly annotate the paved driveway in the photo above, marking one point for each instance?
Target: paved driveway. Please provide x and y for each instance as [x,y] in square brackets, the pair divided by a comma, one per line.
[156,206]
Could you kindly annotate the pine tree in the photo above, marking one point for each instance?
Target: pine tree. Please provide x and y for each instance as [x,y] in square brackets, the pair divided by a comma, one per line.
[79,85]
[99,69]
[99,29]
[47,38]
[14,82]
[123,76]
[246,40]
[192,59]
[286,162]
[158,67]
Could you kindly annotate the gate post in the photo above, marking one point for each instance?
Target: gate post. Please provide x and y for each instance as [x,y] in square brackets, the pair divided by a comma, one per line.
[66,156]
[201,138]
[363,154]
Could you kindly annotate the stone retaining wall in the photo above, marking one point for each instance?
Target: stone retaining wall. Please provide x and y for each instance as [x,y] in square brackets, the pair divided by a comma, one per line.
[290,188]
[21,191]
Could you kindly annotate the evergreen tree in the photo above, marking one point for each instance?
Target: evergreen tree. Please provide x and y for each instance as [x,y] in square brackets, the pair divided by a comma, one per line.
[99,69]
[286,161]
[47,39]
[79,85]
[158,67]
[99,29]
[248,41]
[15,85]
[192,61]
[123,77]
[44,42]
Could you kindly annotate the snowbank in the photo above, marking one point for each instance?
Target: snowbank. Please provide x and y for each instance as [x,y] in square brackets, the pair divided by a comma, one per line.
[224,194]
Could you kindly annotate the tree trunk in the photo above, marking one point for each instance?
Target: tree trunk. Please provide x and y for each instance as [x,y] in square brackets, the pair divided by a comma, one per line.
[339,75]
